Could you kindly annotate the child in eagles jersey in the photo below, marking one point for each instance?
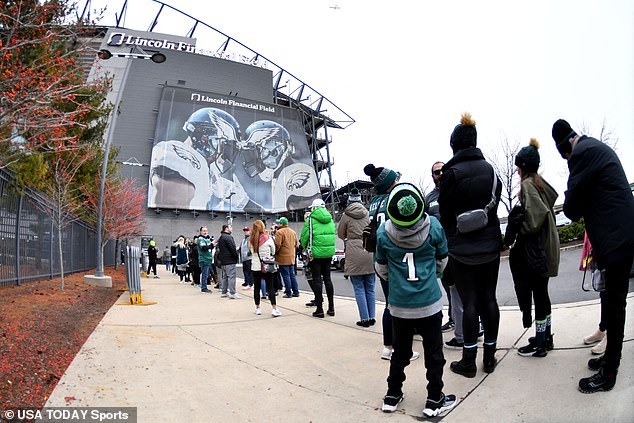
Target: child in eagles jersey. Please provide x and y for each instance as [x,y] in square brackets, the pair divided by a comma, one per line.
[411,250]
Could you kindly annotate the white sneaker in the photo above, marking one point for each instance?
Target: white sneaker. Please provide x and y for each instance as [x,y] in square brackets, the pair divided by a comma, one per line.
[234,296]
[594,338]
[415,355]
[276,313]
[386,354]
[224,295]
[246,288]
[600,347]
[258,311]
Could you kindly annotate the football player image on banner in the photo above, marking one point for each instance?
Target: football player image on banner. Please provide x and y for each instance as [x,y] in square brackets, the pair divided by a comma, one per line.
[178,177]
[268,168]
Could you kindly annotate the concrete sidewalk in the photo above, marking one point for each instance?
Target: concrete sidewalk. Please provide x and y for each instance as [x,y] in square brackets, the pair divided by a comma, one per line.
[196,357]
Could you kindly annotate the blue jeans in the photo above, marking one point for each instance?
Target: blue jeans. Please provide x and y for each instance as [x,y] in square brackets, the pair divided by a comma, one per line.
[246,272]
[364,294]
[204,274]
[290,282]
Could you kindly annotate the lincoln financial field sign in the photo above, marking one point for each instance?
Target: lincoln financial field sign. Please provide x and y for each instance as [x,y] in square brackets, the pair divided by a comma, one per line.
[222,153]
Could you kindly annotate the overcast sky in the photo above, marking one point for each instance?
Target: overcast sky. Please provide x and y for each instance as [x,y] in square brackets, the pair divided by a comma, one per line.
[405,70]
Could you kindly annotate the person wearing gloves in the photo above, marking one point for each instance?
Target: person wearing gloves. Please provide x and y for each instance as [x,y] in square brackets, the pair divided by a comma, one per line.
[411,251]
[318,235]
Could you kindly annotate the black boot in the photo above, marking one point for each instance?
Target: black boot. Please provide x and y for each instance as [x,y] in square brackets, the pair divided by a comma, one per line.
[466,367]
[319,312]
[489,361]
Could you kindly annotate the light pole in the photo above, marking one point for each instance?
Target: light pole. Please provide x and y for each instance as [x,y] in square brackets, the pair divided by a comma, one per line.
[105,55]
[230,218]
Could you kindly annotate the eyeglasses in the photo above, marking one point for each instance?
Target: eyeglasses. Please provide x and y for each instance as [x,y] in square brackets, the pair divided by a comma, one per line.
[437,172]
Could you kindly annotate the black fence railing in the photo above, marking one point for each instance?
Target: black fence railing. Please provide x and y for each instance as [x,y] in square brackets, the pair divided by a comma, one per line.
[28,240]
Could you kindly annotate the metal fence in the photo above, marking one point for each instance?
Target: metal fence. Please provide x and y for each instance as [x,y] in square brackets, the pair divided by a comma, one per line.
[28,240]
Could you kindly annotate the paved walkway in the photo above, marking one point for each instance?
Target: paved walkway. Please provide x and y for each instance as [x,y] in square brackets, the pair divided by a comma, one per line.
[194,357]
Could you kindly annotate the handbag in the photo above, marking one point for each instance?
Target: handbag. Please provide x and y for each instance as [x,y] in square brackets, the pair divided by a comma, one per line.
[267,264]
[474,220]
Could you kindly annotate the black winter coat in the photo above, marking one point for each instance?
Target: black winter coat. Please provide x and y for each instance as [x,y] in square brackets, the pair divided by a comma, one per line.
[227,253]
[599,193]
[466,184]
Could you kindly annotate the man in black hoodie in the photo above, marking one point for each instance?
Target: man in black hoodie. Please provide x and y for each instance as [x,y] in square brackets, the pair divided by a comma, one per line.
[467,184]
[599,193]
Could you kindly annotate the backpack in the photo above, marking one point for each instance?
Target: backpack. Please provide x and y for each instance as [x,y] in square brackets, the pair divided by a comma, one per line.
[369,232]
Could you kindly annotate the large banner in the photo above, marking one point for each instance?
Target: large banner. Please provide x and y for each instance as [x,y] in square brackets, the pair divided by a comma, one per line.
[217,152]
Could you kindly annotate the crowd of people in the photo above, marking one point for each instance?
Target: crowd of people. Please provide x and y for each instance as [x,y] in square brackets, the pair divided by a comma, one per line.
[448,239]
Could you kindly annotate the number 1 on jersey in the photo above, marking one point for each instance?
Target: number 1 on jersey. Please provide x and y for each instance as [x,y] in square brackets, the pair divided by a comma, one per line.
[411,267]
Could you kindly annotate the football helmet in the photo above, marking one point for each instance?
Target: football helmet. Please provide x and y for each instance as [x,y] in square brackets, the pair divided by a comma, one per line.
[215,134]
[266,147]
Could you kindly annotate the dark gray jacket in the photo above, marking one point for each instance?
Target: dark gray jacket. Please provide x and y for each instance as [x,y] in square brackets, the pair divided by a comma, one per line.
[599,193]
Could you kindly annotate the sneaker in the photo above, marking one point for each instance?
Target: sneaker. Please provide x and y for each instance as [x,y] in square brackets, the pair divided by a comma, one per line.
[311,304]
[363,323]
[449,326]
[595,364]
[454,344]
[386,354]
[225,295]
[264,297]
[435,408]
[296,295]
[598,382]
[206,291]
[288,296]
[276,313]
[246,287]
[330,312]
[390,403]
[234,296]
[594,338]
[372,322]
[156,277]
[245,284]
[319,314]
[258,311]
[600,347]
[550,345]
[533,350]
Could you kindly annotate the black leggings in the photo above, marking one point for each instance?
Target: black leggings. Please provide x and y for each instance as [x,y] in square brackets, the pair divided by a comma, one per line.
[539,286]
[257,286]
[476,285]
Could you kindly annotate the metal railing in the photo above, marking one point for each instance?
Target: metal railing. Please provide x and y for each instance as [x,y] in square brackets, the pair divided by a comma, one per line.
[28,240]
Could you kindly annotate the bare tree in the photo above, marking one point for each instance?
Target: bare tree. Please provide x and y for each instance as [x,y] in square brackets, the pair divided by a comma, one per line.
[503,161]
[605,134]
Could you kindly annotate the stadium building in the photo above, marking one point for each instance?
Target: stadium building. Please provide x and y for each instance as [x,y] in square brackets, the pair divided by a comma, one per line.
[216,134]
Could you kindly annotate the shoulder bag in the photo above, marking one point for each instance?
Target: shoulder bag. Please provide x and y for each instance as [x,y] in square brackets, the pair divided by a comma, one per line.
[474,220]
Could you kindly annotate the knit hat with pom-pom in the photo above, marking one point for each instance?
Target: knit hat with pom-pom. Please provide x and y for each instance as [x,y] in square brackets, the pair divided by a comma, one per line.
[528,157]
[381,177]
[464,135]
[405,205]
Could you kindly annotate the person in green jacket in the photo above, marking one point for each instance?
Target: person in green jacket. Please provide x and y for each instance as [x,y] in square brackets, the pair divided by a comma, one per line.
[318,236]
[537,198]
